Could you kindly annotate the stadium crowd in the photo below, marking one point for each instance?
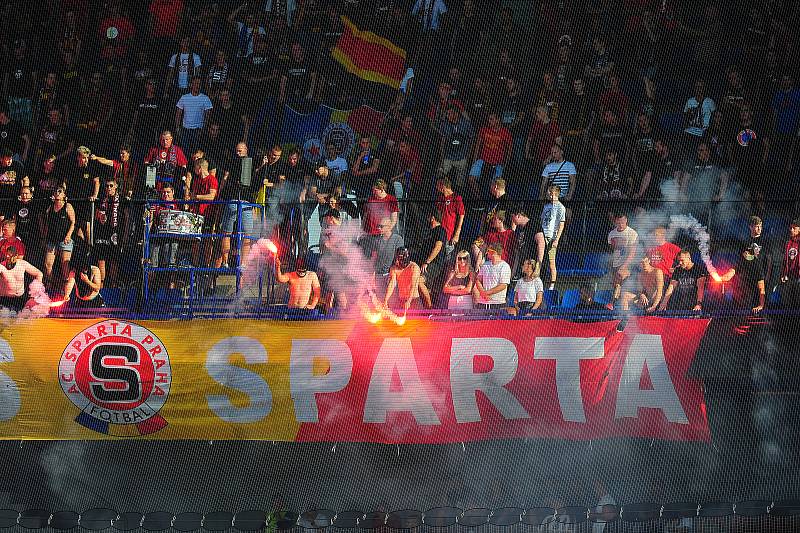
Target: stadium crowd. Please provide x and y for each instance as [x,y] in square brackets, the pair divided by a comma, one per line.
[520,134]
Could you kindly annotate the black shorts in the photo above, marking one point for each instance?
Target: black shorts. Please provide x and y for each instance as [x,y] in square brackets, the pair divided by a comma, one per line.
[14,303]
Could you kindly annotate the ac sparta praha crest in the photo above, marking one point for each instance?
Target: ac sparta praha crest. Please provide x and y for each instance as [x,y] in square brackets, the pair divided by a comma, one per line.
[118,374]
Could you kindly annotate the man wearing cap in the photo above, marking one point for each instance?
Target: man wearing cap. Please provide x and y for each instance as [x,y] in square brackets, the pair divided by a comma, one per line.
[494,277]
[304,287]
[404,275]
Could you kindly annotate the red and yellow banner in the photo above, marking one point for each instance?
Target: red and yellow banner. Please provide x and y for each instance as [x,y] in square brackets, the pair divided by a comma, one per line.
[424,382]
[369,56]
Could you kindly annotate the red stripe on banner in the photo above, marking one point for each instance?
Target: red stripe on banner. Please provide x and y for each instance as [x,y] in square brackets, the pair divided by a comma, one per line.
[429,382]
[370,57]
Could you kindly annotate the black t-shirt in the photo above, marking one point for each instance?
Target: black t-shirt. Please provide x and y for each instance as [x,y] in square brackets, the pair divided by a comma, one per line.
[762,249]
[53,140]
[611,137]
[298,74]
[80,180]
[436,234]
[70,84]
[747,147]
[526,247]
[234,190]
[663,170]
[745,287]
[20,77]
[684,296]
[10,178]
[27,217]
[11,137]
[229,120]
[645,146]
[150,120]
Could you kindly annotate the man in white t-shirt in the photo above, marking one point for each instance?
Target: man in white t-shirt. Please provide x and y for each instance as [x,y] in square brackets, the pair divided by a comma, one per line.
[623,240]
[494,277]
[182,65]
[191,113]
[335,163]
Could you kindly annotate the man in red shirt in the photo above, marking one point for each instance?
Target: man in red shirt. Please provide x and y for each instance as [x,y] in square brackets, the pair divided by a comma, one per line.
[170,163]
[790,275]
[662,254]
[202,188]
[379,205]
[493,147]
[451,206]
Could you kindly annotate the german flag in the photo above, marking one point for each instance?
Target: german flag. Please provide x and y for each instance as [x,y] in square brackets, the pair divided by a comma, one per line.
[369,56]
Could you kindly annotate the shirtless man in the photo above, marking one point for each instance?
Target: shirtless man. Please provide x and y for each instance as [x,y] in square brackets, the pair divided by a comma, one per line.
[304,288]
[649,288]
[12,279]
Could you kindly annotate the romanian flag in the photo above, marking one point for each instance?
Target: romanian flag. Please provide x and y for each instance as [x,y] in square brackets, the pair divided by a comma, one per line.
[369,56]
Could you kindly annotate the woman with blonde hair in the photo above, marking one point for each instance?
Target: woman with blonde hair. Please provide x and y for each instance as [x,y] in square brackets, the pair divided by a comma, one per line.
[459,283]
[529,292]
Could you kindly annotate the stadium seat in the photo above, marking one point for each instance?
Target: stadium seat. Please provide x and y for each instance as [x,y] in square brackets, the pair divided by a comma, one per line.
[550,298]
[595,264]
[111,296]
[568,263]
[571,298]
[168,296]
[774,298]
[602,297]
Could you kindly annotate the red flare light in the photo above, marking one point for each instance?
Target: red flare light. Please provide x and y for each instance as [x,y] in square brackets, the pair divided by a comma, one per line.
[272,247]
[60,303]
[715,276]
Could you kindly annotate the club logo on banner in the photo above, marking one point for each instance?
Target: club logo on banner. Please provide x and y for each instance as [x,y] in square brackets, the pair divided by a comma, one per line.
[312,150]
[341,135]
[118,375]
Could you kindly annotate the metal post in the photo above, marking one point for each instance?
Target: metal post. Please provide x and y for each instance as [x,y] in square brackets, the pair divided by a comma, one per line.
[146,258]
[238,246]
[91,223]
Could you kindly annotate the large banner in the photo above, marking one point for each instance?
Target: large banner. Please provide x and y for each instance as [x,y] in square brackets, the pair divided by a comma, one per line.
[423,382]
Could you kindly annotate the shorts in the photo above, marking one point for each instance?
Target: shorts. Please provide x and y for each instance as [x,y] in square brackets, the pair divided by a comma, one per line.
[549,251]
[60,246]
[231,213]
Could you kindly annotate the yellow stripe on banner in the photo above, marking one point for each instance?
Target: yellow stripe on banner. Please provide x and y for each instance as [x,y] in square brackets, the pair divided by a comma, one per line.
[371,37]
[369,75]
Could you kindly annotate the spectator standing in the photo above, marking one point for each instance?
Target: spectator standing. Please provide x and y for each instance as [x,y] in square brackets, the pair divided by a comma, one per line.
[148,119]
[623,240]
[459,283]
[170,162]
[457,136]
[559,172]
[704,183]
[431,255]
[380,205]
[492,281]
[760,245]
[749,290]
[13,136]
[553,220]
[493,147]
[541,138]
[124,172]
[19,83]
[191,114]
[790,274]
[451,206]
[83,182]
[697,116]
[12,178]
[58,229]
[246,32]
[183,66]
